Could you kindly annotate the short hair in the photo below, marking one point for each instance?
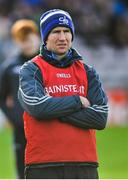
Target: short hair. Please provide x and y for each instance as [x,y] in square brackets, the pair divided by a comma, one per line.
[21,28]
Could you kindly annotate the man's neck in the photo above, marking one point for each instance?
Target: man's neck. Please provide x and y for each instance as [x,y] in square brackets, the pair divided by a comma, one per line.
[59,57]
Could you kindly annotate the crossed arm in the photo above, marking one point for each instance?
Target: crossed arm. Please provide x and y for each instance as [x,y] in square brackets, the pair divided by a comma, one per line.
[87,113]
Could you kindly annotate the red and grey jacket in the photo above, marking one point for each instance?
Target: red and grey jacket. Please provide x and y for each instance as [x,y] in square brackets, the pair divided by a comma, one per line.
[57,127]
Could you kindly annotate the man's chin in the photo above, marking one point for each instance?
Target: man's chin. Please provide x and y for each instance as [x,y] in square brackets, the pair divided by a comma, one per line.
[62,52]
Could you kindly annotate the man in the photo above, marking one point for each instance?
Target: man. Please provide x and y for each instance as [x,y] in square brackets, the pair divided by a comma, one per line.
[25,34]
[64,102]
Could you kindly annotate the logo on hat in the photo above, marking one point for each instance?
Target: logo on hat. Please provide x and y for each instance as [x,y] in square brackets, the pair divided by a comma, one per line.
[63,20]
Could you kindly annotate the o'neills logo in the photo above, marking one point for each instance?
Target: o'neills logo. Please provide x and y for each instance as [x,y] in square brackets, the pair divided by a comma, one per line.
[63,75]
[65,88]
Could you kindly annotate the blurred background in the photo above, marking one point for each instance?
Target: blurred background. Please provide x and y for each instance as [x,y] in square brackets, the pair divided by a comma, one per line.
[101,37]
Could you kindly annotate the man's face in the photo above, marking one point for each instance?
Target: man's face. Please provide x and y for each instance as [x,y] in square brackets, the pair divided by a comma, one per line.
[30,46]
[59,40]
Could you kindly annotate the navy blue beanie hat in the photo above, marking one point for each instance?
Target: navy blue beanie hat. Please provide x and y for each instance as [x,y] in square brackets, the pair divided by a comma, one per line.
[54,18]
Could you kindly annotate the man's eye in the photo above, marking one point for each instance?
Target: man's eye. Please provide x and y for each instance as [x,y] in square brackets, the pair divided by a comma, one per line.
[55,32]
[67,31]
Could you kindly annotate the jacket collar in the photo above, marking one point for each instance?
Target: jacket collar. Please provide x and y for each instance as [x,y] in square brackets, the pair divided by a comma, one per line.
[71,56]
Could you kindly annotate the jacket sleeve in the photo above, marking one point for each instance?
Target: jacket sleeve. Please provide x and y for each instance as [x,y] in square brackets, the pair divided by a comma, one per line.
[36,102]
[95,116]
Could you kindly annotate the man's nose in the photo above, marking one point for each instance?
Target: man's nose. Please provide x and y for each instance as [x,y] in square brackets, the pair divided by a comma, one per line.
[62,36]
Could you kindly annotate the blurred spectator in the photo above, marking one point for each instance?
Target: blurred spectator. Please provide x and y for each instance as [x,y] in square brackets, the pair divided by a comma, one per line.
[6,8]
[119,24]
[25,34]
[97,20]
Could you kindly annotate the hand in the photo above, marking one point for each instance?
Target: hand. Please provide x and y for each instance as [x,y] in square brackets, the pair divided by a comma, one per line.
[85,102]
[9,102]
